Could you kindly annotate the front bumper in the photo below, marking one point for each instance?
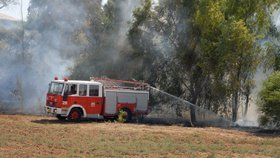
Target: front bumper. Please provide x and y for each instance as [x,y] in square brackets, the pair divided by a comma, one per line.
[56,111]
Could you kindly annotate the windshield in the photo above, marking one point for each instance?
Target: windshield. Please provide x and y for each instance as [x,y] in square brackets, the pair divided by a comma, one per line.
[56,88]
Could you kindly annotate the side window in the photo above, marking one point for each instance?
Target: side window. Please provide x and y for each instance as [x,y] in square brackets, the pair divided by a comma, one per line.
[70,89]
[93,90]
[82,90]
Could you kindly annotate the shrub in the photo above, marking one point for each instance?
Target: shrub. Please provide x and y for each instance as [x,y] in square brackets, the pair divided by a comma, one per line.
[122,116]
[270,101]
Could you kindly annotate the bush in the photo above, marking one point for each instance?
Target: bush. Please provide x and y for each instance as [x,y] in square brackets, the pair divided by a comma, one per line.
[122,116]
[270,101]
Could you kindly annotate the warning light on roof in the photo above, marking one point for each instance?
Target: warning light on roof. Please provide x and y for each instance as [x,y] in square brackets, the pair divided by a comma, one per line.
[55,78]
[65,79]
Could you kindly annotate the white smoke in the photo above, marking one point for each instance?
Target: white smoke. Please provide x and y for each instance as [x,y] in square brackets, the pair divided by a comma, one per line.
[252,116]
[48,52]
[127,7]
[119,37]
[276,18]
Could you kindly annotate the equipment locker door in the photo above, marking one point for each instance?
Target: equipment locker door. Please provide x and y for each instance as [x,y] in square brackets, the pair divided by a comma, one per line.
[110,102]
[142,101]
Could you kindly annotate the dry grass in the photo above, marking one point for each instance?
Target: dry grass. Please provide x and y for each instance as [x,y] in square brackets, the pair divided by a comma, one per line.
[33,136]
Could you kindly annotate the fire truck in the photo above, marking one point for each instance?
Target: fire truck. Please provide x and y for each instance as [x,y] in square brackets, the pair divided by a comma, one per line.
[99,98]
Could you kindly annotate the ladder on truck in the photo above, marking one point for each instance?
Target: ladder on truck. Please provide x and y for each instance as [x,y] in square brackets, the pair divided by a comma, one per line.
[120,84]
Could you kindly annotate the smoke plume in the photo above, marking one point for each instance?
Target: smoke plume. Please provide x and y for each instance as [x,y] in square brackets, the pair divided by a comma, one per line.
[55,34]
[51,40]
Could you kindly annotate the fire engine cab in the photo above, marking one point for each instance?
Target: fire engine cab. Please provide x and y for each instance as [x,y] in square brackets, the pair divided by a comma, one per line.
[98,98]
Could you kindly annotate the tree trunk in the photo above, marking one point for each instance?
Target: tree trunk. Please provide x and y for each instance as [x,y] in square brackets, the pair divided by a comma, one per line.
[193,118]
[235,106]
[196,87]
[246,104]
[192,110]
[236,96]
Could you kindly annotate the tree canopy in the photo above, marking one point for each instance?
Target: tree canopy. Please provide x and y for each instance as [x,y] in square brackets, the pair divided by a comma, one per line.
[209,50]
[204,51]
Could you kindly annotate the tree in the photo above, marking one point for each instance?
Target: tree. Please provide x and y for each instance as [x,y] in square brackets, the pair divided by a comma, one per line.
[272,57]
[203,51]
[229,35]
[206,51]
[270,100]
[163,39]
[107,54]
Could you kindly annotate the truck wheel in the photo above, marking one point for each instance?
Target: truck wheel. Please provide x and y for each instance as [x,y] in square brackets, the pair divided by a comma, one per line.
[75,115]
[140,118]
[61,118]
[125,115]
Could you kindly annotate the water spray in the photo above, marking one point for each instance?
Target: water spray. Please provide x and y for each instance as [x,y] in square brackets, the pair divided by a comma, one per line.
[172,109]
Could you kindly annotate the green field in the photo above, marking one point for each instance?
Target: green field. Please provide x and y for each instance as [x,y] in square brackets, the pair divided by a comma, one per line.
[36,136]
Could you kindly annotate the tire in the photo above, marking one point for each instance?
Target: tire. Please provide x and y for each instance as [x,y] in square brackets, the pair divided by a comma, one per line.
[75,115]
[60,118]
[128,115]
[140,118]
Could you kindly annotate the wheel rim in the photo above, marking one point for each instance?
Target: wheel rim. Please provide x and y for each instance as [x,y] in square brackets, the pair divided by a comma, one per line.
[75,115]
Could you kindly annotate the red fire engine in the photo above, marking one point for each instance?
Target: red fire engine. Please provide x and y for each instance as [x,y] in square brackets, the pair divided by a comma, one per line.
[98,98]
